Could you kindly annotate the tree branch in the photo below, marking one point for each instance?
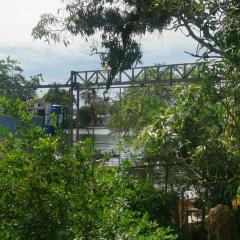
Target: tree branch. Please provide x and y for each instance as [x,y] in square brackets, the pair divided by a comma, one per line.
[200,40]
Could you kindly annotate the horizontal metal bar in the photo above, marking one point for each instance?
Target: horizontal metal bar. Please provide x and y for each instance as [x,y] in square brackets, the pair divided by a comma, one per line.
[141,83]
[54,86]
[151,66]
[133,82]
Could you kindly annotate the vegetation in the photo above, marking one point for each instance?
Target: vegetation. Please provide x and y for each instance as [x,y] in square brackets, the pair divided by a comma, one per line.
[193,138]
[57,96]
[51,192]
[136,109]
[191,135]
[85,116]
[13,84]
[215,25]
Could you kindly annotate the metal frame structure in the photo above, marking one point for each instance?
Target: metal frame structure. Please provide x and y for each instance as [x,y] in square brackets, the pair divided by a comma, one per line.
[135,77]
[159,74]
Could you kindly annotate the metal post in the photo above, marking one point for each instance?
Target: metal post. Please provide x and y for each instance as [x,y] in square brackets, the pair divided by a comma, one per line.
[171,74]
[119,134]
[77,118]
[71,110]
[94,118]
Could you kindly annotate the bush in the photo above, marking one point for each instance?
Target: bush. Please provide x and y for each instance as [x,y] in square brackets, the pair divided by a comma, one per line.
[51,192]
[161,207]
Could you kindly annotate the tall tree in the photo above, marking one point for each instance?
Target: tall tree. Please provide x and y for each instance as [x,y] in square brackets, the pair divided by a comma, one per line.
[57,96]
[12,82]
[212,23]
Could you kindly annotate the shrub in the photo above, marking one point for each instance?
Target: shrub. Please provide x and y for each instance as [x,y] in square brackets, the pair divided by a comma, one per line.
[51,192]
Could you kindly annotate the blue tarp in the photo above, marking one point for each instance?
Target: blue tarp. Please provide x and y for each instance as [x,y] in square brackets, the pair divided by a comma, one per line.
[11,123]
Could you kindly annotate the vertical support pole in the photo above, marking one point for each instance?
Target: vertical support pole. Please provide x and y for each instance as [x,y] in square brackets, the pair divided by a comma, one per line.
[171,74]
[77,117]
[71,110]
[184,71]
[158,72]
[97,77]
[94,115]
[120,77]
[119,134]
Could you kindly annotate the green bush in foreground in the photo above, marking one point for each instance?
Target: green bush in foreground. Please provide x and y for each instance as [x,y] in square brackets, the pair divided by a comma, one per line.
[49,192]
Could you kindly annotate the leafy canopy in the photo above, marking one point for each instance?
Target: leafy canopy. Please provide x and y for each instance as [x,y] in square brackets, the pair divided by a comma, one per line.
[13,84]
[212,23]
[136,109]
[192,136]
[57,96]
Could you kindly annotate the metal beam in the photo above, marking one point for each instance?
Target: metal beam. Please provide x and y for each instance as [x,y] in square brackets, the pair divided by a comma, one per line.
[137,76]
[149,75]
[54,86]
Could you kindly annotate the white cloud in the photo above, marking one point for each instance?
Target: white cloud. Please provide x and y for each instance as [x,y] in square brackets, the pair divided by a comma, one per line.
[18,17]
[167,47]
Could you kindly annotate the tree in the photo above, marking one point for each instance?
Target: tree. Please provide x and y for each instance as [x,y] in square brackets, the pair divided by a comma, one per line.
[13,84]
[96,105]
[136,109]
[137,106]
[57,96]
[213,24]
[189,136]
[49,191]
[85,116]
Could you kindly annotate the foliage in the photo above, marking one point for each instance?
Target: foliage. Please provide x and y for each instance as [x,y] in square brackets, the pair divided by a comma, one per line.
[85,116]
[137,106]
[52,192]
[12,107]
[199,134]
[161,206]
[57,96]
[191,135]
[136,109]
[13,84]
[96,107]
[215,25]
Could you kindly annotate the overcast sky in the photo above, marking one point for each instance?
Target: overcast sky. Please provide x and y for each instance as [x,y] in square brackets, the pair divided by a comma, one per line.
[55,62]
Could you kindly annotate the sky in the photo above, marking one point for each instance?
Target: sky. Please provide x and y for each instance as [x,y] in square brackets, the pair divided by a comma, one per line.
[54,62]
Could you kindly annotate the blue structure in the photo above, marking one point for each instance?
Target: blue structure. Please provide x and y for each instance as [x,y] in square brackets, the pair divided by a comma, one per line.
[58,112]
[43,118]
[11,123]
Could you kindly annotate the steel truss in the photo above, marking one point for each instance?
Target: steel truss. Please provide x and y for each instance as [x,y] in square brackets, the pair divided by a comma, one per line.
[134,77]
[137,76]
[159,74]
